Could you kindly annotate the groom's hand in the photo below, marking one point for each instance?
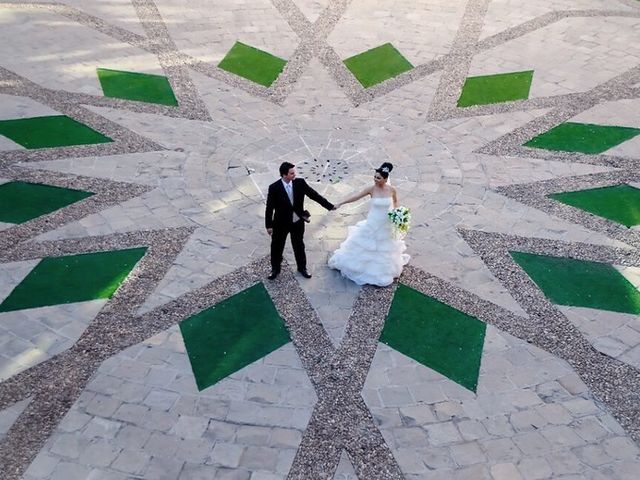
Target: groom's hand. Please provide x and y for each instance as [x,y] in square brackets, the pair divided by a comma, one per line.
[270,231]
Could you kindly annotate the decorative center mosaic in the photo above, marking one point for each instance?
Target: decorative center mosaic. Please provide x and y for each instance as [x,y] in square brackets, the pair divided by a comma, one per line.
[329,170]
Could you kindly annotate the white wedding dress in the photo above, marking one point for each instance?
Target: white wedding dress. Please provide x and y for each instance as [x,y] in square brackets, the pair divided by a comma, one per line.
[371,254]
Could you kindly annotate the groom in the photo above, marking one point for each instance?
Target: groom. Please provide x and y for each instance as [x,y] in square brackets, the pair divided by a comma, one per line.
[286,199]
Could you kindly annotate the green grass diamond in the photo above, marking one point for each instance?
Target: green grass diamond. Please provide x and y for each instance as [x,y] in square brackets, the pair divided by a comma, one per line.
[377,65]
[253,64]
[620,203]
[435,335]
[580,283]
[142,87]
[51,131]
[73,278]
[582,137]
[22,201]
[498,88]
[232,334]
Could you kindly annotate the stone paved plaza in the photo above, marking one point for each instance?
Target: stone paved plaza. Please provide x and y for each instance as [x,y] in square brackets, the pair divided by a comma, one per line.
[139,335]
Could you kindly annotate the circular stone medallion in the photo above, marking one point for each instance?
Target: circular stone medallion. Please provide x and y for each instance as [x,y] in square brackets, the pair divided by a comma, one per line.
[322,171]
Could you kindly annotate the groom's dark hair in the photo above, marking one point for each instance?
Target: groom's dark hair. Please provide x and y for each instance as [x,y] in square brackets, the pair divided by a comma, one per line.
[285,167]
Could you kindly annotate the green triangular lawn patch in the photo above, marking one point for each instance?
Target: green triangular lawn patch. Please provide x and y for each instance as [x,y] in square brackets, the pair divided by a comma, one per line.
[253,64]
[73,278]
[377,65]
[142,87]
[580,283]
[22,201]
[435,335]
[582,138]
[49,132]
[232,334]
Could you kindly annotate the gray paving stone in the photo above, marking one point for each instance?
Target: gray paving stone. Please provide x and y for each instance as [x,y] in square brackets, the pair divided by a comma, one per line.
[590,429]
[407,436]
[442,433]
[527,420]
[253,435]
[501,450]
[102,428]
[162,445]
[98,453]
[131,413]
[131,462]
[66,446]
[69,471]
[621,448]
[194,450]
[562,435]
[625,470]
[42,467]
[564,463]
[227,455]
[579,406]
[132,437]
[505,471]
[472,430]
[467,454]
[498,426]
[532,443]
[162,467]
[395,396]
[102,406]
[417,415]
[198,472]
[190,427]
[233,474]
[259,458]
[554,414]
[534,468]
[161,400]
[593,455]
[445,411]
[220,431]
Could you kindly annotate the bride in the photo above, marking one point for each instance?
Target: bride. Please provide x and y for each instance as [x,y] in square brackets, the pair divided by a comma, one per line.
[371,254]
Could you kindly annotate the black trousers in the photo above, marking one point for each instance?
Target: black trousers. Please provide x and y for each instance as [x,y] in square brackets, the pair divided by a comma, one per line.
[278,240]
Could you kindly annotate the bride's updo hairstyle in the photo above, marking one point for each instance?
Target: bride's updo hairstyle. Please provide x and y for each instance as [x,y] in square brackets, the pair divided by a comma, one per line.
[384,170]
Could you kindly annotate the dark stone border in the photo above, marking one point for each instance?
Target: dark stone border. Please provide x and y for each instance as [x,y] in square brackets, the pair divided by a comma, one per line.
[615,383]
[622,86]
[124,140]
[313,44]
[164,47]
[56,383]
[341,419]
[535,195]
[106,194]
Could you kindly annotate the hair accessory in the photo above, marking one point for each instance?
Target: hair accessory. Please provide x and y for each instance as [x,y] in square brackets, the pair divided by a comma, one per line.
[385,169]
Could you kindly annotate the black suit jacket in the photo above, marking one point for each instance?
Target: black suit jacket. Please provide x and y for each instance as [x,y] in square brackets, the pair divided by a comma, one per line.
[279,210]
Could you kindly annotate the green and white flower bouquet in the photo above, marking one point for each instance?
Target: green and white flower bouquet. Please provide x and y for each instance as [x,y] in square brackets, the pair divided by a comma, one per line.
[401,219]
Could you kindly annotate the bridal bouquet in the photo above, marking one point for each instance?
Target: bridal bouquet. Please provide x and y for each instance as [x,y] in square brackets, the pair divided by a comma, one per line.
[400,218]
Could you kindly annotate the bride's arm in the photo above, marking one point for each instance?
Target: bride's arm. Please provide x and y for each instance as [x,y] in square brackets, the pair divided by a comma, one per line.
[357,196]
[394,195]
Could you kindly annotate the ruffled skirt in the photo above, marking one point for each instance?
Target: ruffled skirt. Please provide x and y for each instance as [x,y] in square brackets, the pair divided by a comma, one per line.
[370,254]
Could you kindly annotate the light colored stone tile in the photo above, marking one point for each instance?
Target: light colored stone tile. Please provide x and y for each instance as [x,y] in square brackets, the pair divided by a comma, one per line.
[505,471]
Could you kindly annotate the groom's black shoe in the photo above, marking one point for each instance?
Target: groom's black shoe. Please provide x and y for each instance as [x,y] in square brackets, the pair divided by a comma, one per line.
[273,274]
[304,273]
